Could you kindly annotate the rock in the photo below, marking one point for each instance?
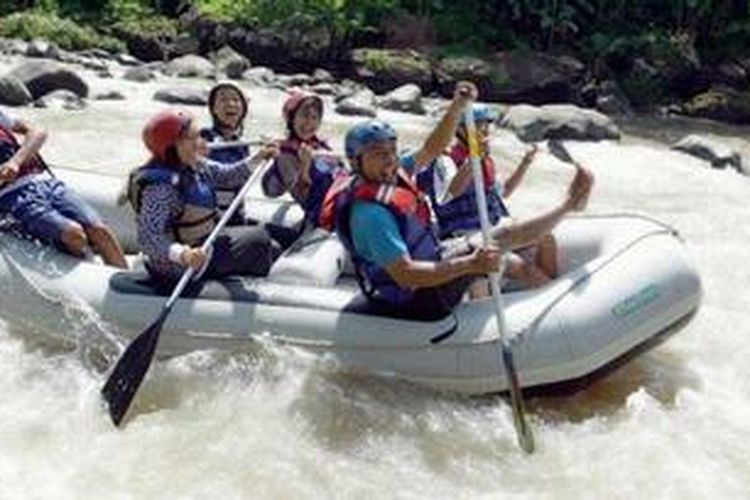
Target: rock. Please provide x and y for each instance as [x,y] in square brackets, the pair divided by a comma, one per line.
[42,48]
[230,62]
[127,60]
[324,89]
[13,92]
[722,104]
[407,98]
[514,77]
[295,80]
[183,45]
[97,53]
[384,70]
[323,76]
[259,76]
[717,151]
[63,98]
[13,46]
[182,95]
[190,66]
[109,95]
[558,121]
[362,103]
[140,74]
[43,77]
[731,74]
[611,100]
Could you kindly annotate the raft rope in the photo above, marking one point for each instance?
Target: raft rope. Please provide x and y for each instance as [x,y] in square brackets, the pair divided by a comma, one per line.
[666,229]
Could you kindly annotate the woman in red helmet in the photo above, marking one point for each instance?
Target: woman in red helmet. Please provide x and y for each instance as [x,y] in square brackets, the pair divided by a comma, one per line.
[174,198]
[306,165]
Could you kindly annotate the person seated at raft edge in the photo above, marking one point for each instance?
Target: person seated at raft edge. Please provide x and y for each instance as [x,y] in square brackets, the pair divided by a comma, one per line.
[44,206]
[228,107]
[456,206]
[306,166]
[386,223]
[174,198]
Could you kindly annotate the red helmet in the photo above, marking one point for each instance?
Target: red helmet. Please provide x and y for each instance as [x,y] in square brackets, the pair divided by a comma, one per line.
[295,100]
[163,130]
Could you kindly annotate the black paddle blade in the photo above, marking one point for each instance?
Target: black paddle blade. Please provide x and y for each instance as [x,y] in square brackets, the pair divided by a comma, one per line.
[130,370]
[523,429]
[557,149]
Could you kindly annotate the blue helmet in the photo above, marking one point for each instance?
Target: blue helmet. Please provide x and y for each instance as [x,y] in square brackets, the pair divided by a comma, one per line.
[365,133]
[482,113]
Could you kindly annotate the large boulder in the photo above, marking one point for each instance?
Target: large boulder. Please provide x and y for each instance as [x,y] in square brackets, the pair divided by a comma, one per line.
[190,66]
[384,70]
[558,121]
[13,92]
[230,62]
[42,77]
[361,103]
[300,42]
[515,77]
[720,152]
[182,95]
[407,98]
[721,104]
[139,74]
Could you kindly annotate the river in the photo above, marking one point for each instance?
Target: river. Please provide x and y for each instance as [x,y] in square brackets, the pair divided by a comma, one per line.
[274,422]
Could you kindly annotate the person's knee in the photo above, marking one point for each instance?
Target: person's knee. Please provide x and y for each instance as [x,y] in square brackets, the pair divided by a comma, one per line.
[74,239]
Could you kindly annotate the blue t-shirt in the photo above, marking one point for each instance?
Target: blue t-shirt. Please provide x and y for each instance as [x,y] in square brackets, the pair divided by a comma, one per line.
[374,228]
[375,233]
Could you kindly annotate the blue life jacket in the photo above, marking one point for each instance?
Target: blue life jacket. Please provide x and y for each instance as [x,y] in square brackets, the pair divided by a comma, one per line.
[227,156]
[460,213]
[412,213]
[199,214]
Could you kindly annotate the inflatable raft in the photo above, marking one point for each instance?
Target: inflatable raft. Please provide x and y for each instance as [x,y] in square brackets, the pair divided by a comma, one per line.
[624,280]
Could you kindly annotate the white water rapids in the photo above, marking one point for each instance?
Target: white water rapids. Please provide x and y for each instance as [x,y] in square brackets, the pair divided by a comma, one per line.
[278,423]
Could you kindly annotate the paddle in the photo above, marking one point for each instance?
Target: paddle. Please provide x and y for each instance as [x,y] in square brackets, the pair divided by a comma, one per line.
[133,364]
[523,431]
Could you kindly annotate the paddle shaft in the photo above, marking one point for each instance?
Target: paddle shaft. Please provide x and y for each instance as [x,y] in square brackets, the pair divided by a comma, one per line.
[129,371]
[523,431]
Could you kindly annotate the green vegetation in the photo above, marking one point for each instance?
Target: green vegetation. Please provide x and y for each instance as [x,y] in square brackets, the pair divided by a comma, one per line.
[64,32]
[719,28]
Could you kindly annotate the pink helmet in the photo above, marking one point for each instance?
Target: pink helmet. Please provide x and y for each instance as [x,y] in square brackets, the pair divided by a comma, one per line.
[294,101]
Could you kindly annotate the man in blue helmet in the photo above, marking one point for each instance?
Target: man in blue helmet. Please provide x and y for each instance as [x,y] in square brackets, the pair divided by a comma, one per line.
[386,223]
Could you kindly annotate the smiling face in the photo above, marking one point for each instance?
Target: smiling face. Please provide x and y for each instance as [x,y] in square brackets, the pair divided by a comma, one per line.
[190,146]
[379,162]
[307,119]
[228,108]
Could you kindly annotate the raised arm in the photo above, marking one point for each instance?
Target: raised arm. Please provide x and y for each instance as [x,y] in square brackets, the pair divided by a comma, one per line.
[442,135]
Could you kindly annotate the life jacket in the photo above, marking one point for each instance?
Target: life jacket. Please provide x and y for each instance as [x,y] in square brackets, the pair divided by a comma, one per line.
[412,212]
[226,155]
[323,171]
[199,214]
[460,213]
[9,146]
